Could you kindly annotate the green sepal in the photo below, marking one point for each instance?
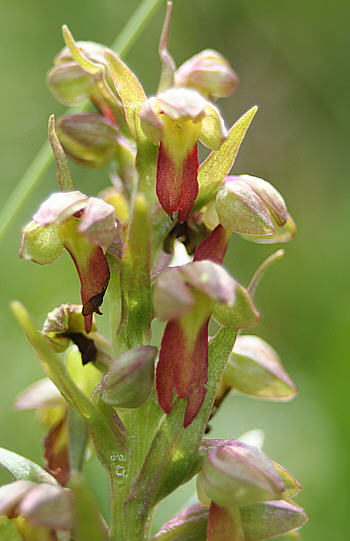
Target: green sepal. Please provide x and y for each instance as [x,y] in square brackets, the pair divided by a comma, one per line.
[268,519]
[218,164]
[255,369]
[174,448]
[240,315]
[135,323]
[8,530]
[291,486]
[21,468]
[41,244]
[280,234]
[191,525]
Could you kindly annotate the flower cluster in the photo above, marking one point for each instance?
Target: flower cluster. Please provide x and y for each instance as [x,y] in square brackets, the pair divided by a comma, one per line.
[144,407]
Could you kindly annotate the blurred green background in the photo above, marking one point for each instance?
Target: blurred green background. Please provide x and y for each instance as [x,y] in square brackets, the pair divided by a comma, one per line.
[293,62]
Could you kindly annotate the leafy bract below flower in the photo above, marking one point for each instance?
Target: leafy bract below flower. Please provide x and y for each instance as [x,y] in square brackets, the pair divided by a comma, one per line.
[176,119]
[85,227]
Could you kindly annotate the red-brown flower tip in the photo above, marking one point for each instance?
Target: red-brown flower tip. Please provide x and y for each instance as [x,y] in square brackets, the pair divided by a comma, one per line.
[94,274]
[184,367]
[214,246]
[177,186]
[177,119]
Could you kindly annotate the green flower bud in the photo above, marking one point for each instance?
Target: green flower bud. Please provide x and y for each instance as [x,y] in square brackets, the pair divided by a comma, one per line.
[254,368]
[250,206]
[268,519]
[129,381]
[88,138]
[72,80]
[210,73]
[238,474]
[69,83]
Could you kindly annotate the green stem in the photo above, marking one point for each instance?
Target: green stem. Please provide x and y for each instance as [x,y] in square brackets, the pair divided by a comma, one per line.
[33,175]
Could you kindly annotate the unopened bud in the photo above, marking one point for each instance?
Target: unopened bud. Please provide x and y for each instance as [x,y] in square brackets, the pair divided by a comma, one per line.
[269,519]
[250,206]
[210,73]
[129,381]
[254,368]
[69,83]
[89,138]
[238,474]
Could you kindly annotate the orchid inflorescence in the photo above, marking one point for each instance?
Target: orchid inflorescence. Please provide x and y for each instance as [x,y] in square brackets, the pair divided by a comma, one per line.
[143,408]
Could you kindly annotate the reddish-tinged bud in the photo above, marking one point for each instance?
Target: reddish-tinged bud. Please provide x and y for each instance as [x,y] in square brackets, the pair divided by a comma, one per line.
[210,73]
[238,474]
[129,381]
[89,138]
[250,206]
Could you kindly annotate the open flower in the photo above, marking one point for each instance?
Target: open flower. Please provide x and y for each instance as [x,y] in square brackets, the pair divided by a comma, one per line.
[185,296]
[85,227]
[176,119]
[40,510]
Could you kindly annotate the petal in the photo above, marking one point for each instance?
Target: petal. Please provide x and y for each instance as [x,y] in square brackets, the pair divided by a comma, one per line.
[213,132]
[98,223]
[151,122]
[177,185]
[181,103]
[182,365]
[92,268]
[60,206]
[214,246]
[57,453]
[224,524]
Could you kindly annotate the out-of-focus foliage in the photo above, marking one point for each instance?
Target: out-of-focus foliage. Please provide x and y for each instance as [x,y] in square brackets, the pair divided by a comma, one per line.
[292,59]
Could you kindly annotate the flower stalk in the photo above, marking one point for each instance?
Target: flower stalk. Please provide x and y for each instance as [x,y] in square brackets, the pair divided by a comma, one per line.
[142,407]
